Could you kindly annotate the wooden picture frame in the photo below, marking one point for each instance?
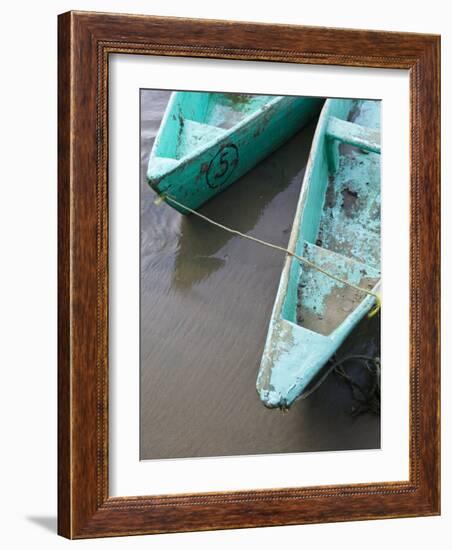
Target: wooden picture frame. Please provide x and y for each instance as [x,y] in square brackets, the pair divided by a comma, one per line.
[85,42]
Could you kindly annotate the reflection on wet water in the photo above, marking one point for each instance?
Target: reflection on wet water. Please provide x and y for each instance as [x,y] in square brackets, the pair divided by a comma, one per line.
[204,248]
[206,299]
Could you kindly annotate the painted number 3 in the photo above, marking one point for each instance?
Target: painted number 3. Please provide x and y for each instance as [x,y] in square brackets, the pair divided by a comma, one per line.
[222,166]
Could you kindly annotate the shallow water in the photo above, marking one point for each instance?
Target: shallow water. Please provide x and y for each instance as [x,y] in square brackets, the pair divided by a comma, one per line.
[206,299]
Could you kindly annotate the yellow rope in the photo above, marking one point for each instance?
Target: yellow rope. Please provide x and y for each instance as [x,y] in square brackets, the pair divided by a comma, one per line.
[307,262]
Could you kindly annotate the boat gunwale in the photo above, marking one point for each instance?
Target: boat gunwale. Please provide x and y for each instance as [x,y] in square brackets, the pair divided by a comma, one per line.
[284,279]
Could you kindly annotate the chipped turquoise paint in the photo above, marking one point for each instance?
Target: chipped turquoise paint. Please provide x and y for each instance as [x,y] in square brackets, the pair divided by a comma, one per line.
[320,286]
[367,139]
[208,140]
[337,225]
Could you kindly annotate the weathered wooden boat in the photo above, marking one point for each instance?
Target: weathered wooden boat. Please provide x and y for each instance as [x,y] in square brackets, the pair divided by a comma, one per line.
[337,227]
[206,141]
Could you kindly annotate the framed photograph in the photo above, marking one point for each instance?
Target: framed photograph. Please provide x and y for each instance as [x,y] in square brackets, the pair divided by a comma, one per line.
[248,275]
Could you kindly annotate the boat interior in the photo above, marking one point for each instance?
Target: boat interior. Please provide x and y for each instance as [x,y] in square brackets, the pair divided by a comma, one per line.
[339,228]
[197,118]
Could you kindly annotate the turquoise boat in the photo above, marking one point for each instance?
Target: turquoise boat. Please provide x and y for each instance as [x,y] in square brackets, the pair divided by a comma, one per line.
[206,141]
[337,227]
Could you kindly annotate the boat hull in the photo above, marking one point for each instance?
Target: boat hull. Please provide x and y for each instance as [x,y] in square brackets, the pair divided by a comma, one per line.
[216,157]
[337,227]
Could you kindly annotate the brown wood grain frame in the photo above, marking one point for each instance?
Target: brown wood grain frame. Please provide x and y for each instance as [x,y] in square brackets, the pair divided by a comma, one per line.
[85,41]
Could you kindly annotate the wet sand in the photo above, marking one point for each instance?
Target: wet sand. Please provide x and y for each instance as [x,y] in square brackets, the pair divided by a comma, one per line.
[206,299]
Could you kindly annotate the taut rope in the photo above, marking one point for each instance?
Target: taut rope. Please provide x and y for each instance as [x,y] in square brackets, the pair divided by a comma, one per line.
[301,259]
